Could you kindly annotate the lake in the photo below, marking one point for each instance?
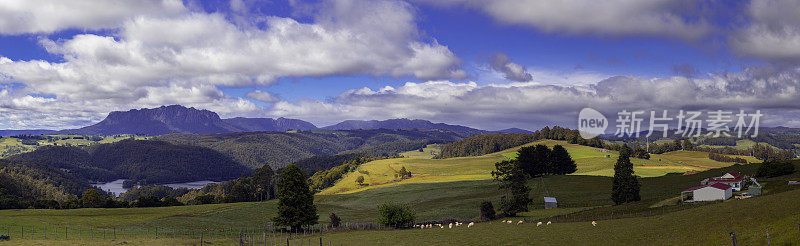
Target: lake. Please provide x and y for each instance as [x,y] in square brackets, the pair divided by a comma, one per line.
[115,187]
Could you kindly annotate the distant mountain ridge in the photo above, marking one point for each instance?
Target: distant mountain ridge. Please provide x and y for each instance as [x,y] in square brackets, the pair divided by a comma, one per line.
[180,119]
[398,124]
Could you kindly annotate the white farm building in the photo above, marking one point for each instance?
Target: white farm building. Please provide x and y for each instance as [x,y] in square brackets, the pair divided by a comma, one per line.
[712,192]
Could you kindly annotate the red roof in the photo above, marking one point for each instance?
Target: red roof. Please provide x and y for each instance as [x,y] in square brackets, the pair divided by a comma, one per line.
[720,186]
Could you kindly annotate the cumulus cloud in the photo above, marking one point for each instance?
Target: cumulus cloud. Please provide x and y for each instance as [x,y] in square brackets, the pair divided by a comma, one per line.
[685,70]
[512,71]
[533,105]
[773,32]
[618,17]
[46,16]
[164,59]
[262,96]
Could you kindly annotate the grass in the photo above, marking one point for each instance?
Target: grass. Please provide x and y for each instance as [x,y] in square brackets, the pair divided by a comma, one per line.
[590,161]
[434,201]
[11,146]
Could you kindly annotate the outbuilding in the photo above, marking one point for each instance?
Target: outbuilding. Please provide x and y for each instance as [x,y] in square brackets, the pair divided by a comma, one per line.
[711,192]
[550,202]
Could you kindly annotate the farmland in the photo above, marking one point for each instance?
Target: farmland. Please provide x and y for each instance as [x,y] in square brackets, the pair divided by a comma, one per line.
[590,161]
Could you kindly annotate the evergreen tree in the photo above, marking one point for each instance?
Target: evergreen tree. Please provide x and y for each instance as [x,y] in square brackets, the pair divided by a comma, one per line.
[562,162]
[295,200]
[535,160]
[513,181]
[626,187]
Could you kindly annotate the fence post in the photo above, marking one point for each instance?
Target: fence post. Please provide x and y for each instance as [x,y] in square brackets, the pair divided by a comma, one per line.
[768,241]
[733,238]
[21,232]
[201,237]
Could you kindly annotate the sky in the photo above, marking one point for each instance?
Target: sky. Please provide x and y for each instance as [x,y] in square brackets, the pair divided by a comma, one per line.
[484,64]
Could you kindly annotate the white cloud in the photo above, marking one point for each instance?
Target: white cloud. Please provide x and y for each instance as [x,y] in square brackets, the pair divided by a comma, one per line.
[616,17]
[263,96]
[532,105]
[46,16]
[153,60]
[773,32]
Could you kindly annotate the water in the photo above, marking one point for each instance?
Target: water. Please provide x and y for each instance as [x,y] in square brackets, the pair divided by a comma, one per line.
[115,187]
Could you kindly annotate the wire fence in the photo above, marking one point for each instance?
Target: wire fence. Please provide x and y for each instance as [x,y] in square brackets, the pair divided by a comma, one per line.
[245,234]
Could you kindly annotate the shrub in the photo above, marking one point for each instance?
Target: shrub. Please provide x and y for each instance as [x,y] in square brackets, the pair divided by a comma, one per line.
[487,210]
[395,214]
[335,220]
[774,169]
[147,201]
[204,199]
[360,180]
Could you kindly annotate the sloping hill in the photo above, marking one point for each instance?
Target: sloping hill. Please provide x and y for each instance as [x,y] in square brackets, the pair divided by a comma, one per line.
[590,161]
[278,149]
[142,161]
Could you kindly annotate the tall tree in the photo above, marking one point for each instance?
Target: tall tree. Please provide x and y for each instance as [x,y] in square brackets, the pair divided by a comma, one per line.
[625,187]
[513,181]
[535,160]
[295,200]
[562,162]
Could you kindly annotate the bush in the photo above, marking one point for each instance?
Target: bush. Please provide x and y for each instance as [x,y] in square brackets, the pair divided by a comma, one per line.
[775,169]
[487,211]
[360,180]
[335,220]
[204,199]
[147,201]
[396,215]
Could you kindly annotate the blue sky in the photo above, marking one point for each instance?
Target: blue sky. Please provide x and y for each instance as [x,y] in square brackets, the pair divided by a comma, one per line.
[485,64]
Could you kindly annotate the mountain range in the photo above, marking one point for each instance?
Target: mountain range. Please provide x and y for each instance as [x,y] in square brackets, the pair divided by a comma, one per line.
[180,119]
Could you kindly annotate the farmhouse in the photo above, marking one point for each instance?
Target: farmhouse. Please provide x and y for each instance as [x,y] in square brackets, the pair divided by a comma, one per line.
[550,202]
[711,192]
[730,178]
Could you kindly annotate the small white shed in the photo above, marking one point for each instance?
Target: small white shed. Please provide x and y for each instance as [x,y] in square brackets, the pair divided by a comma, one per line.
[550,202]
[712,192]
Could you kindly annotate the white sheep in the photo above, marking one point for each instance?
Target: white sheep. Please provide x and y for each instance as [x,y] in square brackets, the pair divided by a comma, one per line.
[508,222]
[429,225]
[504,221]
[538,224]
[441,226]
[470,224]
[594,223]
[520,222]
[548,223]
[451,225]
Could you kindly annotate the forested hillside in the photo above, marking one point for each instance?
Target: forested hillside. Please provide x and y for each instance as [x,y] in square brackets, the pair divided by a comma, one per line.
[141,161]
[24,182]
[278,149]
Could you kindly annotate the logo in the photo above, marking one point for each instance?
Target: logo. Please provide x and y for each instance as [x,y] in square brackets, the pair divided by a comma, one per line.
[591,123]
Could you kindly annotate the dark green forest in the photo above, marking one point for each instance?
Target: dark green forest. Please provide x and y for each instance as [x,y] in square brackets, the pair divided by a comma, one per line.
[141,161]
[278,149]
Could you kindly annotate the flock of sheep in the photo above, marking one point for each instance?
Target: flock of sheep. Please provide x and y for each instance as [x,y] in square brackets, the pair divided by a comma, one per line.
[457,224]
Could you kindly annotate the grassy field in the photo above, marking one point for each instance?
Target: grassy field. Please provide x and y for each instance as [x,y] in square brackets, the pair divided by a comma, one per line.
[10,146]
[590,161]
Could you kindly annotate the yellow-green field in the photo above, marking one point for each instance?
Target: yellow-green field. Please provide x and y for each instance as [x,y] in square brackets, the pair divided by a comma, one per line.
[11,146]
[590,161]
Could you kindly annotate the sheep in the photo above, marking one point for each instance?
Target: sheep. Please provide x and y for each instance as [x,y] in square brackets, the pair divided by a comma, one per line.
[450,226]
[429,225]
[470,224]
[520,222]
[538,224]
[594,223]
[441,226]
[548,223]
[508,222]
[504,221]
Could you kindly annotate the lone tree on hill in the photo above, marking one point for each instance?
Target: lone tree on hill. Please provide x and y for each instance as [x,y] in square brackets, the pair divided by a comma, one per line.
[513,180]
[562,162]
[626,187]
[535,160]
[295,201]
